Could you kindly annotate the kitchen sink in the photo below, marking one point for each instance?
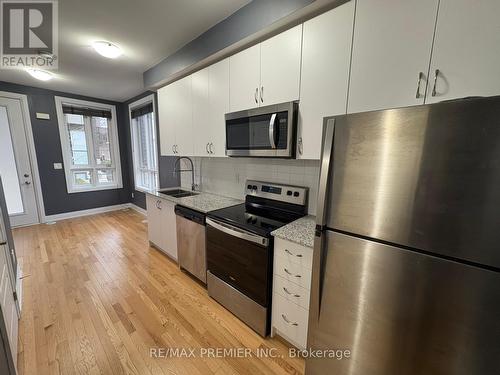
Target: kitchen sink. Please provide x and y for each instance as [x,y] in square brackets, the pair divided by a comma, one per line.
[177,193]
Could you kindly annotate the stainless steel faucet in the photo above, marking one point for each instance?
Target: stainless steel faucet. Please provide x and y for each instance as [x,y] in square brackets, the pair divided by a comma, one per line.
[177,165]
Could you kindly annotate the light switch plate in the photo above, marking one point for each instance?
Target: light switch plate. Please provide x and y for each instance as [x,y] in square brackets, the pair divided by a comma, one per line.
[58,166]
[42,116]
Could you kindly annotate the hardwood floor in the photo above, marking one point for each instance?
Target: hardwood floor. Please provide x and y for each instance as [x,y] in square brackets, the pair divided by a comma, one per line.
[97,298]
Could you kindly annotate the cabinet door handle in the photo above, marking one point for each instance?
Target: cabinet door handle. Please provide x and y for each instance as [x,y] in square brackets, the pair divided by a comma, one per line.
[206,148]
[295,255]
[419,79]
[256,95]
[291,274]
[3,243]
[173,149]
[176,149]
[290,294]
[262,94]
[301,146]
[288,321]
[158,204]
[211,148]
[436,73]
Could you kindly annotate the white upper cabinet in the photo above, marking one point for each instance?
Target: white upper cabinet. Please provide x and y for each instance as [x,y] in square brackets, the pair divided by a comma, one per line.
[176,118]
[280,67]
[184,107]
[326,54]
[267,73]
[466,50]
[218,96]
[391,53]
[210,95]
[167,120]
[201,107]
[244,79]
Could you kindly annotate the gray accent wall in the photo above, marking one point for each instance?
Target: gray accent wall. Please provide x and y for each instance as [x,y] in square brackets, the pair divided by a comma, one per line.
[165,163]
[248,20]
[56,198]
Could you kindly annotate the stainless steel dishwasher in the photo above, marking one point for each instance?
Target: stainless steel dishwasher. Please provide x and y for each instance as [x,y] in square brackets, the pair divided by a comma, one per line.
[191,250]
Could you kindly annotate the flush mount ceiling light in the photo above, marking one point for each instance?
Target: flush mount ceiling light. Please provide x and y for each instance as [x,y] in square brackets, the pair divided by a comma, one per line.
[40,74]
[107,49]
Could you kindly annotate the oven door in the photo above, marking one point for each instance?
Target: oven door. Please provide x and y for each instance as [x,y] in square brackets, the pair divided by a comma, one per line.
[241,259]
[262,132]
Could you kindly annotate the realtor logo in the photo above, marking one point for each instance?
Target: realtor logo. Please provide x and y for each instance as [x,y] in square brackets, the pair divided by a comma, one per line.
[29,34]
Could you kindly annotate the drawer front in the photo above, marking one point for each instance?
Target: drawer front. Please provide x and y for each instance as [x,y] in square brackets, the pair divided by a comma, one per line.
[292,292]
[290,320]
[292,272]
[294,252]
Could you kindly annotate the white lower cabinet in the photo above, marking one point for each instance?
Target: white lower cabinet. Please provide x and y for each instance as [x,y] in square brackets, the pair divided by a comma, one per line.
[161,225]
[291,291]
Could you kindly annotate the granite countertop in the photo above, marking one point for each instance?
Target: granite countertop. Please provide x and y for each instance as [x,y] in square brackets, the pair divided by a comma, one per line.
[300,231]
[202,202]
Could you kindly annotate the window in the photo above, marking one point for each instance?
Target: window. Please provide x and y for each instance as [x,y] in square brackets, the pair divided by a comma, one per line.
[144,147]
[89,140]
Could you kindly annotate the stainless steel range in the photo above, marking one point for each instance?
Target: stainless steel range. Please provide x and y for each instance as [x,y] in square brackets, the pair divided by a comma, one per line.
[240,249]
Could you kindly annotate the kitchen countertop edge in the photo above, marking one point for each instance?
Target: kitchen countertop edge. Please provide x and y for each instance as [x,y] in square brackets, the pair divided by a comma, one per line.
[300,231]
[202,202]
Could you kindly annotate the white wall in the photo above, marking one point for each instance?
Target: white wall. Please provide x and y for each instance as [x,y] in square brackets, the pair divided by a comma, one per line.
[227,176]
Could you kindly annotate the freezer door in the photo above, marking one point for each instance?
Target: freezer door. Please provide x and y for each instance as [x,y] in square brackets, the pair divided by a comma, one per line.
[402,312]
[425,177]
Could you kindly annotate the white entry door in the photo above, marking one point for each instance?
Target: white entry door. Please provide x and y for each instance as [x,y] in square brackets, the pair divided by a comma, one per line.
[15,167]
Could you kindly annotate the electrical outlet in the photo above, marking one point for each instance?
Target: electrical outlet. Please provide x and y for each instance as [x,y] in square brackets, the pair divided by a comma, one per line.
[58,166]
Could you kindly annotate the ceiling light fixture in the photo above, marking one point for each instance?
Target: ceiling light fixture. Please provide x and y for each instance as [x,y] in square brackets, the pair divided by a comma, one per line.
[39,74]
[107,49]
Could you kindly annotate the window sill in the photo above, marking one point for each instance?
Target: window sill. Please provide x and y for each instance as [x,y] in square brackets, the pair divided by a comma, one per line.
[95,188]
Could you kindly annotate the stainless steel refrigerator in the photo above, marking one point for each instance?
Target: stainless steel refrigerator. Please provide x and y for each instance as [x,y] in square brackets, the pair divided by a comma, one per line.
[407,250]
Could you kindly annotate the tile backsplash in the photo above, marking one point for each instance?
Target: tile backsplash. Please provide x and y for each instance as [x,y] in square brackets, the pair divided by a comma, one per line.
[227,176]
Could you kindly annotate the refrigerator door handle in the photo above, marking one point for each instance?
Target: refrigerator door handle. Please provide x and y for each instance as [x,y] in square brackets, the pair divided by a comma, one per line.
[319,252]
[326,154]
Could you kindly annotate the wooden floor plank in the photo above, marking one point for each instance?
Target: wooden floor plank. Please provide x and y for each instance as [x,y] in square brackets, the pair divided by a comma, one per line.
[97,299]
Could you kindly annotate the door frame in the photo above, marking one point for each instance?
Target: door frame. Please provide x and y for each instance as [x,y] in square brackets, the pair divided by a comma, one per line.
[23,99]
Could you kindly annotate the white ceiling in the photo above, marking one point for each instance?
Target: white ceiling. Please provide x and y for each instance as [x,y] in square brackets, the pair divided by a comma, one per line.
[146,30]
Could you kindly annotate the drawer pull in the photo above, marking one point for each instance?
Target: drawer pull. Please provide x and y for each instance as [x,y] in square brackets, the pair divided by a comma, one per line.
[296,255]
[291,274]
[291,294]
[232,278]
[289,322]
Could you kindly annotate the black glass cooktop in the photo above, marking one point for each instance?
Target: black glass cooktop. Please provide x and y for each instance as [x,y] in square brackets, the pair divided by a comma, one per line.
[259,221]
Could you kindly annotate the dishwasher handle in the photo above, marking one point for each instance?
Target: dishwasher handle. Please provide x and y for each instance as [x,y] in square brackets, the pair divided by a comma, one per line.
[190,214]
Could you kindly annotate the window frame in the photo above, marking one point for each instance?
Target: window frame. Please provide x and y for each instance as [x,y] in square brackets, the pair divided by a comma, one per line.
[139,103]
[69,168]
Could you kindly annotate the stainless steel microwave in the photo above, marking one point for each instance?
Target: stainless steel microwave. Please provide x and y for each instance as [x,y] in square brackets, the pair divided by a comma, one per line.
[263,132]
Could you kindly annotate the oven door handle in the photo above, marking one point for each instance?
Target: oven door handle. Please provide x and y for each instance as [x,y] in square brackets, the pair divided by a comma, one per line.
[232,231]
[272,130]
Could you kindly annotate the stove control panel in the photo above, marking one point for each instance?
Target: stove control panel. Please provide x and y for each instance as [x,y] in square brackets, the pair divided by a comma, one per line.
[284,193]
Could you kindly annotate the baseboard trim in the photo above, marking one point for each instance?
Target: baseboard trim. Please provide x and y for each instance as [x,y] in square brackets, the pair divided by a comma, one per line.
[92,211]
[138,209]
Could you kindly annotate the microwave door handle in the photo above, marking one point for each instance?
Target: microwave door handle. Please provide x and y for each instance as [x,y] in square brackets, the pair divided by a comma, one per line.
[272,131]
